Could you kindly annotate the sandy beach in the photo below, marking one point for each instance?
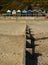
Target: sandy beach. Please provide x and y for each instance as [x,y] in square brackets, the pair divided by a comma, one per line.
[13,39]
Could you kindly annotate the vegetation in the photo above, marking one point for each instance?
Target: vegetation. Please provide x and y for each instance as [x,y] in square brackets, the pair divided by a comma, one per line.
[22,4]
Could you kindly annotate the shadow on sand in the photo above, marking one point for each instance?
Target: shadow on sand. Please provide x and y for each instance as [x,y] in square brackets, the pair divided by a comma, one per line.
[31,58]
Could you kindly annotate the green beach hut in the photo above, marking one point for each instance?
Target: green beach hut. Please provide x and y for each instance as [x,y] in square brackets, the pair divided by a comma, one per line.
[8,12]
[18,12]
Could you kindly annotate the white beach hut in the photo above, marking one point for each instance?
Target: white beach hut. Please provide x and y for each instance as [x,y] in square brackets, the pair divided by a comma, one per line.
[14,13]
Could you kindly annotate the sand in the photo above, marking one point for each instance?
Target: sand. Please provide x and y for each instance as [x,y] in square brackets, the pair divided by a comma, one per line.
[39,31]
[12,40]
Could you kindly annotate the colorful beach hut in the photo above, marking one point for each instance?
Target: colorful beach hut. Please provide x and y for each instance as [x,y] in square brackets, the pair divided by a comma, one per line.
[18,12]
[39,12]
[14,13]
[35,12]
[44,13]
[8,12]
[29,12]
[24,12]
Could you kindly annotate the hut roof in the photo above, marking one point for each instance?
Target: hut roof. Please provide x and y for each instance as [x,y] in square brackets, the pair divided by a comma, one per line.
[39,10]
[14,12]
[8,10]
[24,11]
[18,10]
[29,11]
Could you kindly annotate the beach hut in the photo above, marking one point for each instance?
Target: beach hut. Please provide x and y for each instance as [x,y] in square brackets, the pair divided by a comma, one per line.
[8,12]
[24,12]
[39,12]
[35,12]
[18,12]
[14,13]
[44,13]
[29,12]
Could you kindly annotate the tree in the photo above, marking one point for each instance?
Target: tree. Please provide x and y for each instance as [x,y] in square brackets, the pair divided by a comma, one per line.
[1,7]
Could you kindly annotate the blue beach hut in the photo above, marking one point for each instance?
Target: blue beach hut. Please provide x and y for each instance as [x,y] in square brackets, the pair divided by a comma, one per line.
[40,12]
[29,12]
[24,12]
[8,12]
